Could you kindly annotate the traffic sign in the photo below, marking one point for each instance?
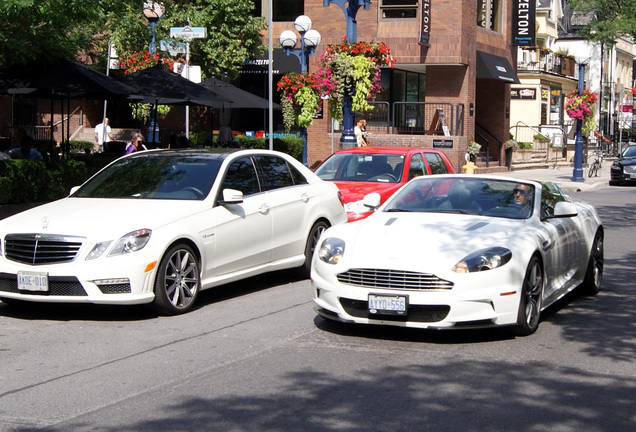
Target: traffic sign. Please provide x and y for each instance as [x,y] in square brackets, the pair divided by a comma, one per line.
[188,32]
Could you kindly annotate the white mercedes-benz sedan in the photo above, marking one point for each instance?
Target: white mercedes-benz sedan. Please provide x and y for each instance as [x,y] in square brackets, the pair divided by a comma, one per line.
[459,251]
[159,226]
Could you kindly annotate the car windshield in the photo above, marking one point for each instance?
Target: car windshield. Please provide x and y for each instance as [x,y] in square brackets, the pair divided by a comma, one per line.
[465,195]
[175,176]
[362,167]
[629,152]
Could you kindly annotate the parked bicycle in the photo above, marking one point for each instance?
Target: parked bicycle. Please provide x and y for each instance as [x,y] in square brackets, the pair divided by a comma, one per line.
[596,164]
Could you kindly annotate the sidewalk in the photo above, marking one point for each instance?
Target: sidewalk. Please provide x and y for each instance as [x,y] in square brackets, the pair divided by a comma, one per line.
[562,176]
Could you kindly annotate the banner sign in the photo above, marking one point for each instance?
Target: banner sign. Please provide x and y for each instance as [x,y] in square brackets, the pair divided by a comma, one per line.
[425,30]
[523,93]
[524,22]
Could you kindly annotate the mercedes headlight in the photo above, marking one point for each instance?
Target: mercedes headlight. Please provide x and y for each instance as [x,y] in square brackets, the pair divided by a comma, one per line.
[484,259]
[331,250]
[356,207]
[131,242]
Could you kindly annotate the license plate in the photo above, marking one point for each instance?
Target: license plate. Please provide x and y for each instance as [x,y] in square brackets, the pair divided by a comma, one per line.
[387,305]
[33,281]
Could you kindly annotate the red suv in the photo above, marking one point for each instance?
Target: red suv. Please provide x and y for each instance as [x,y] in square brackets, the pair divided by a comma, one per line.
[362,170]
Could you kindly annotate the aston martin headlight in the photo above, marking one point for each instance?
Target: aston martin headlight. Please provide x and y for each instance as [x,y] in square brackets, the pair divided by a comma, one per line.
[484,259]
[331,250]
[131,242]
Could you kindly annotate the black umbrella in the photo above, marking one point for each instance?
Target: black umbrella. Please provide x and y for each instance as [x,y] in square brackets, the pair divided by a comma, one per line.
[61,79]
[161,86]
[240,97]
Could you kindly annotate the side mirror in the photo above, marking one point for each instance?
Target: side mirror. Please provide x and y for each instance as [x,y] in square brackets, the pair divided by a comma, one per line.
[231,196]
[372,200]
[565,209]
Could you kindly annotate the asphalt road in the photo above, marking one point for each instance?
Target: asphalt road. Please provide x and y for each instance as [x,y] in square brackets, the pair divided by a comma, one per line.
[254,357]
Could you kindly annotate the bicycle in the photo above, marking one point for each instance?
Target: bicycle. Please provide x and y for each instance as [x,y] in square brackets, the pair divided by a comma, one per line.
[596,164]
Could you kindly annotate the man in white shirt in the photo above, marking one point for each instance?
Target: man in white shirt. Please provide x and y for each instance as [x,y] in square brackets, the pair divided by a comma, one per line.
[102,134]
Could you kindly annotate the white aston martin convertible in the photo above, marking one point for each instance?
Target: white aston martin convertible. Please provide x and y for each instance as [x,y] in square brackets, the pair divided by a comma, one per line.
[458,251]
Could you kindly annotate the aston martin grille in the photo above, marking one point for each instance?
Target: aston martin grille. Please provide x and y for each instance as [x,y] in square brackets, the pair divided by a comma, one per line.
[39,249]
[393,279]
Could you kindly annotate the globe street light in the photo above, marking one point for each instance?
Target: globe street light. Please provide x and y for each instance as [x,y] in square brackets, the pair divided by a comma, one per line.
[153,11]
[309,39]
[348,138]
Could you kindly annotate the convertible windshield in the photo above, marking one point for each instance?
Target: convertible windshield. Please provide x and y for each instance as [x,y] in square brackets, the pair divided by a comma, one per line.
[178,176]
[362,167]
[465,195]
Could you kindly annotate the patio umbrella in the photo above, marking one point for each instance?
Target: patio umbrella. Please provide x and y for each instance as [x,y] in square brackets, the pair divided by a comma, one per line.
[239,97]
[161,86]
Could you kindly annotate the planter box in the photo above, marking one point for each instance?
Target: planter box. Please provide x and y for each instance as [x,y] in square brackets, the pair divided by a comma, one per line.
[522,155]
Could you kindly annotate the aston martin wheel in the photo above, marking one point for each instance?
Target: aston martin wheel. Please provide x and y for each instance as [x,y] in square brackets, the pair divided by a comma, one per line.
[594,272]
[531,299]
[312,242]
[178,281]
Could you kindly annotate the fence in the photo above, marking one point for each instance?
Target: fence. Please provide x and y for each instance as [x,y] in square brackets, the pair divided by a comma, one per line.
[415,118]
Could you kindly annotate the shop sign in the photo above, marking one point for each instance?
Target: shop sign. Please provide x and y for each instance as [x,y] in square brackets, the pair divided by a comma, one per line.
[524,22]
[425,30]
[443,143]
[523,93]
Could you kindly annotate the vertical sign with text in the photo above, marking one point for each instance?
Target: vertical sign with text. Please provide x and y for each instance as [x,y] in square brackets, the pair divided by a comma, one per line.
[524,22]
[425,30]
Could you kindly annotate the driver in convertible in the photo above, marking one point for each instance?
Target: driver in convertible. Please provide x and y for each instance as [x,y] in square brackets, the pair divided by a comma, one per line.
[523,198]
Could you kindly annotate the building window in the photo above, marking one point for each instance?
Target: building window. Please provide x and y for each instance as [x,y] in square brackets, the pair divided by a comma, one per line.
[398,8]
[490,14]
[258,8]
[287,10]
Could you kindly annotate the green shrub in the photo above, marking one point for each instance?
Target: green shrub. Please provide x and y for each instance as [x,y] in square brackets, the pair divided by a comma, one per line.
[80,145]
[540,137]
[525,145]
[201,139]
[291,145]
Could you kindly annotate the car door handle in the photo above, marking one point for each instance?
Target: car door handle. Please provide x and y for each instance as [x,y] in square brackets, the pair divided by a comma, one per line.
[304,198]
[547,245]
[264,208]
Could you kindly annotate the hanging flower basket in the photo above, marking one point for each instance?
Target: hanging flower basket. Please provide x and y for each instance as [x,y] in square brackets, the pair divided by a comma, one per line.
[353,67]
[580,106]
[138,61]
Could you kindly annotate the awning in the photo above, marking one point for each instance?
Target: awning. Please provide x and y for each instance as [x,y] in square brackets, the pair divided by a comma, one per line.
[494,67]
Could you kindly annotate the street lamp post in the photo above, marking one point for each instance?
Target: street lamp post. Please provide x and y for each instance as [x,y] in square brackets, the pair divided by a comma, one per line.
[348,138]
[309,39]
[153,11]
[577,172]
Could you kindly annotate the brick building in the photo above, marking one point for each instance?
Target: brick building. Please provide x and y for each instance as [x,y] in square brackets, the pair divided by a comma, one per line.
[462,69]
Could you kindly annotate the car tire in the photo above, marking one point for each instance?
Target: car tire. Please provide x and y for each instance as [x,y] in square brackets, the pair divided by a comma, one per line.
[530,300]
[312,242]
[594,272]
[177,282]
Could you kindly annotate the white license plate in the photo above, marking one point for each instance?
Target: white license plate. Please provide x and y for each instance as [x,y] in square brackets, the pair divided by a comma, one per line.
[391,305]
[33,281]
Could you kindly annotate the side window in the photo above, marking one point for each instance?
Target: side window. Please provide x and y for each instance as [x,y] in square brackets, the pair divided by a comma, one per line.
[298,177]
[417,166]
[273,172]
[241,176]
[436,163]
[550,195]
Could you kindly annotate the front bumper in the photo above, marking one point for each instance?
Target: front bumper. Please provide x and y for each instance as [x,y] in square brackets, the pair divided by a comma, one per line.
[475,301]
[122,281]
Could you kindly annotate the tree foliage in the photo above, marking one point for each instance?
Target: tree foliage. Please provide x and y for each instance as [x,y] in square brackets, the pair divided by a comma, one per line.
[45,30]
[610,19]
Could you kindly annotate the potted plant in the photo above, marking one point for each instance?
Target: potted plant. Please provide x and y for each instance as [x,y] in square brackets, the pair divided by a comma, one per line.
[510,146]
[473,150]
[524,152]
